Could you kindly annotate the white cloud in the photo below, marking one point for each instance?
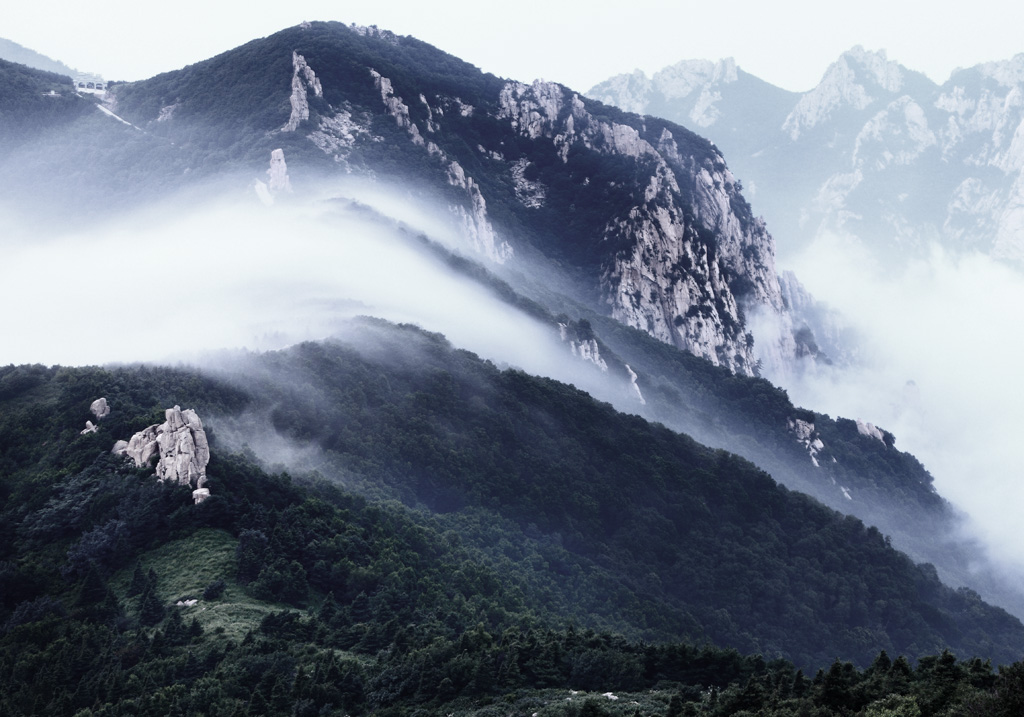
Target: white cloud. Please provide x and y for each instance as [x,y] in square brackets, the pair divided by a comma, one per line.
[951,326]
[172,283]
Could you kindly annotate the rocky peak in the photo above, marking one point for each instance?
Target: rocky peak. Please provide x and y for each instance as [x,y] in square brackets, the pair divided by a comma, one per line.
[874,68]
[684,78]
[631,92]
[635,92]
[1008,73]
[855,80]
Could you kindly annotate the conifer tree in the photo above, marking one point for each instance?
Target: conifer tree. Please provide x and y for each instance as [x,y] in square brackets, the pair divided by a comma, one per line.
[151,610]
[139,581]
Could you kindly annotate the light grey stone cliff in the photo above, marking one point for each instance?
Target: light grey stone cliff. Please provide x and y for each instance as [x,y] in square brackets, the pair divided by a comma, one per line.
[304,81]
[685,280]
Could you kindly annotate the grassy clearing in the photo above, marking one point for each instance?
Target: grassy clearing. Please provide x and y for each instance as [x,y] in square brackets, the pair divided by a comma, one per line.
[184,568]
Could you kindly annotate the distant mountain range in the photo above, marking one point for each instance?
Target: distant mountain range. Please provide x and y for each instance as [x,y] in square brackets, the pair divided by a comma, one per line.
[13,52]
[875,152]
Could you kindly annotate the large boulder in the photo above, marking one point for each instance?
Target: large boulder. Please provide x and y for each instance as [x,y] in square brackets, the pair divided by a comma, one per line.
[181,445]
[99,408]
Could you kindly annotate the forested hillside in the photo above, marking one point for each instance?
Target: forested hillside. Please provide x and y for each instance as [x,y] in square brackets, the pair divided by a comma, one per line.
[456,508]
[33,100]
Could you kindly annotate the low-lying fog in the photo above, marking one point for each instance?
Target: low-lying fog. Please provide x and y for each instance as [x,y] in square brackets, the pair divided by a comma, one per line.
[940,369]
[177,281]
[171,283]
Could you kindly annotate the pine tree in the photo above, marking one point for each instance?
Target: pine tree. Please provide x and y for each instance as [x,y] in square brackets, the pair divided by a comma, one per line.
[175,630]
[139,581]
[151,610]
[195,630]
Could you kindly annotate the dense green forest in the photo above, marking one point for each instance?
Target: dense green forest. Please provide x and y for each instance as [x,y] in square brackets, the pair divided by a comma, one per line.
[474,540]
[33,100]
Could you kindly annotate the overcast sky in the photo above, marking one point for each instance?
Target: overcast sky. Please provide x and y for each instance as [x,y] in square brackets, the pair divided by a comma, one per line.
[787,42]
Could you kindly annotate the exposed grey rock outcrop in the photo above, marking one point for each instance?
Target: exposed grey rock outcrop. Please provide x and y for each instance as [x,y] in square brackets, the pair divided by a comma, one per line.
[807,436]
[472,215]
[304,81]
[181,445]
[99,408]
[278,173]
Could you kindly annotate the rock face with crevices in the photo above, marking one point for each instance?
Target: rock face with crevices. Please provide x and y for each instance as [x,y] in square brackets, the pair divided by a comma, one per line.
[689,259]
[180,445]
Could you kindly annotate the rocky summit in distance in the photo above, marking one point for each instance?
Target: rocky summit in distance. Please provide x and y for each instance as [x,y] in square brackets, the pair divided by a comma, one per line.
[875,152]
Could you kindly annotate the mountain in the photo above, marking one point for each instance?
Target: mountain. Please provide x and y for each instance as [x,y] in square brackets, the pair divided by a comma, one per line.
[875,151]
[13,52]
[589,212]
[617,239]
[658,231]
[461,503]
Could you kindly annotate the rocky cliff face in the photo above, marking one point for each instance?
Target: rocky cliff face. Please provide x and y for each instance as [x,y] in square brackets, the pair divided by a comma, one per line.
[693,263]
[180,446]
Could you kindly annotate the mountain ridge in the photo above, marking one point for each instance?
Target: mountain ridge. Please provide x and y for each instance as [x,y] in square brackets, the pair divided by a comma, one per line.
[538,112]
[870,122]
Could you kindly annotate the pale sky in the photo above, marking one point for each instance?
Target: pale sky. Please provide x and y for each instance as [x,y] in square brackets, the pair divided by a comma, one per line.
[787,42]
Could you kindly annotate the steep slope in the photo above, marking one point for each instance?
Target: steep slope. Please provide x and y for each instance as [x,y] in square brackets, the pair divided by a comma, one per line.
[580,512]
[285,595]
[875,151]
[649,219]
